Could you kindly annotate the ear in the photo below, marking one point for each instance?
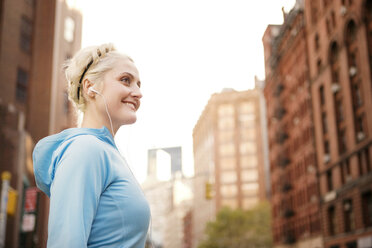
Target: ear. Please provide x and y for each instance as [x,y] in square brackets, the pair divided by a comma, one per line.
[86,85]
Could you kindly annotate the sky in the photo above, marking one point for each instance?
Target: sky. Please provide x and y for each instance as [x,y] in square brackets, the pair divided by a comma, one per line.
[185,51]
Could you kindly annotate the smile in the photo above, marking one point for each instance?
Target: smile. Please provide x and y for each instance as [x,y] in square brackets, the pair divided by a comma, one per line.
[131,105]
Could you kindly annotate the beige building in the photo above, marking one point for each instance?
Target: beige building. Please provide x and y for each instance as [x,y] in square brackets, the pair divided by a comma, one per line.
[229,153]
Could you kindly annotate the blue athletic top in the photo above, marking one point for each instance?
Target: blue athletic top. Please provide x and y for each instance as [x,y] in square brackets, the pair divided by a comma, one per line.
[95,201]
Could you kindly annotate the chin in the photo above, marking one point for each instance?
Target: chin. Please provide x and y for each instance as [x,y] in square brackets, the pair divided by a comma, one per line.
[128,121]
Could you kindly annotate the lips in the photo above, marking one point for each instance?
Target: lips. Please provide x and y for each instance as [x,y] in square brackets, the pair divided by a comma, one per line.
[131,104]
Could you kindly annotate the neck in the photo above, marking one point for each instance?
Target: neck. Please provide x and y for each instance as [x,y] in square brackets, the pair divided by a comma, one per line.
[92,119]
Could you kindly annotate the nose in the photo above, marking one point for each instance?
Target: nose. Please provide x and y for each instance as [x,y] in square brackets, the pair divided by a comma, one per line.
[136,92]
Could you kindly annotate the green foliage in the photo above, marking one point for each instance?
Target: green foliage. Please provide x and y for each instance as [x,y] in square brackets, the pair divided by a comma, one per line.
[240,229]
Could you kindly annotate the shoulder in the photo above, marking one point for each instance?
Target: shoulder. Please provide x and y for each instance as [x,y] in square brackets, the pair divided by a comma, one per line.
[84,144]
[83,149]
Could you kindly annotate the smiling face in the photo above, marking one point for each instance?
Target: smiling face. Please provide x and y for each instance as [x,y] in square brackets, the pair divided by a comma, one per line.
[121,89]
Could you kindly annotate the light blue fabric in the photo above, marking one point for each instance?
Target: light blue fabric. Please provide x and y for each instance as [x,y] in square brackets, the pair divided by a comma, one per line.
[95,201]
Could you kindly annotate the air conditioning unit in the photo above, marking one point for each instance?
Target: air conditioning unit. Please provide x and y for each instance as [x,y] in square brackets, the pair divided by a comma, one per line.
[360,136]
[310,169]
[326,158]
[330,196]
[335,87]
[343,10]
[296,120]
[353,71]
[348,178]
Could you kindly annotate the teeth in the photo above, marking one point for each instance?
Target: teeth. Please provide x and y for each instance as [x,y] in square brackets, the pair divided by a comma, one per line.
[128,103]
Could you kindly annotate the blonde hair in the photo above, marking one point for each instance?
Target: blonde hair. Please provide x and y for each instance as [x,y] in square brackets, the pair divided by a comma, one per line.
[89,63]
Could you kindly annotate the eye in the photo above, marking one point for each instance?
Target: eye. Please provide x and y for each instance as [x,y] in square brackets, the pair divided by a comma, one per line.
[139,84]
[125,80]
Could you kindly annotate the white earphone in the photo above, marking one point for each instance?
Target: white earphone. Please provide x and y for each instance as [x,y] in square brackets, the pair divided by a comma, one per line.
[91,89]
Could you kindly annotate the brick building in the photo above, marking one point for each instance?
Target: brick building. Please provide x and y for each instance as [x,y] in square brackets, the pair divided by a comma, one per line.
[35,38]
[296,220]
[228,154]
[340,68]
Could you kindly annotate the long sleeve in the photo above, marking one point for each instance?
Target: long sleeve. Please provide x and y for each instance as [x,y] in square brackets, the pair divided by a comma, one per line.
[81,176]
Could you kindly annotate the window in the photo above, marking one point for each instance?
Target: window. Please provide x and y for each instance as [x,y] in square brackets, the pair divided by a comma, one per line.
[248,134]
[246,107]
[333,53]
[321,95]
[326,147]
[364,161]
[226,136]
[248,161]
[69,29]
[324,123]
[228,163]
[247,120]
[22,85]
[367,208]
[319,65]
[359,126]
[226,123]
[227,149]
[339,110]
[329,180]
[348,215]
[352,244]
[316,42]
[249,175]
[345,171]
[26,34]
[250,188]
[351,31]
[332,221]
[342,141]
[228,177]
[226,110]
[357,97]
[248,148]
[229,190]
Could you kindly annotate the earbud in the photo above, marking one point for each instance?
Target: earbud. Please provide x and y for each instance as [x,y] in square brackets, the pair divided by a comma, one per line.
[91,89]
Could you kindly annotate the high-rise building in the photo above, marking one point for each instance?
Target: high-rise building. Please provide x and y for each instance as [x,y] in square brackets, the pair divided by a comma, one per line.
[175,157]
[35,39]
[228,156]
[293,167]
[169,197]
[339,37]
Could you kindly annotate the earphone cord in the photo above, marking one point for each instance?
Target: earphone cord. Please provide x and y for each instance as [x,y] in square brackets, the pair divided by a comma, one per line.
[108,114]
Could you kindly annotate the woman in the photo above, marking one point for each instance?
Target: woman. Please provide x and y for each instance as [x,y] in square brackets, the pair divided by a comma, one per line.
[95,201]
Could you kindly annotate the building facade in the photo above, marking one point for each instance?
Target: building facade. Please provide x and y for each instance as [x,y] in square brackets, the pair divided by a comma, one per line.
[296,219]
[169,198]
[32,51]
[228,156]
[340,69]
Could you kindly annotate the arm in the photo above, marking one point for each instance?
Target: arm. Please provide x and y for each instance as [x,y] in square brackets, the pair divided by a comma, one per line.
[81,176]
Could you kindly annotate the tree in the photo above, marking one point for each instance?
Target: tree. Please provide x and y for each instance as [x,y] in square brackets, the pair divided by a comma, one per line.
[240,229]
